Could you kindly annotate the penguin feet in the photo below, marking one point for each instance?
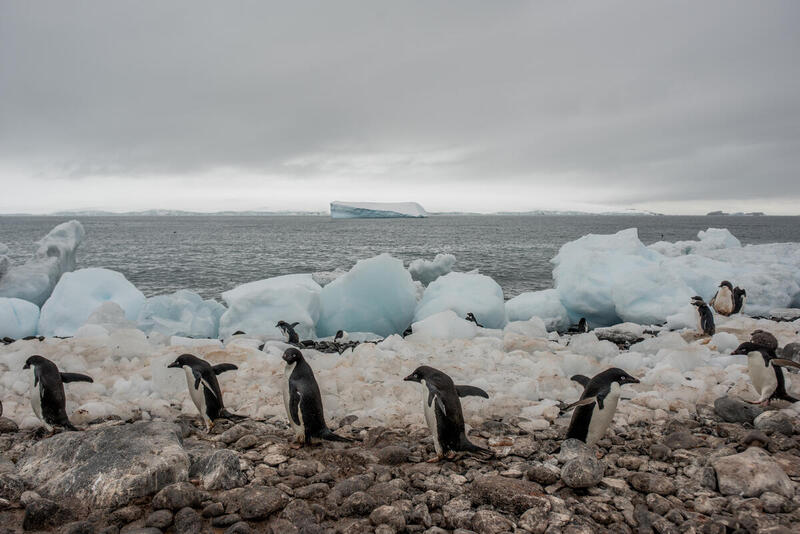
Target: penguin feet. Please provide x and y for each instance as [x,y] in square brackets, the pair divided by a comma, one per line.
[435,459]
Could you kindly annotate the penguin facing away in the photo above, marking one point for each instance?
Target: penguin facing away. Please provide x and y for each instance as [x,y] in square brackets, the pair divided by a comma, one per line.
[597,405]
[739,299]
[765,372]
[201,379]
[288,330]
[722,302]
[443,414]
[705,317]
[303,401]
[47,391]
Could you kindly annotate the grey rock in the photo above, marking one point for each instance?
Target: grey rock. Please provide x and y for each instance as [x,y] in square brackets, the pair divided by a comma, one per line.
[177,496]
[125,515]
[490,522]
[650,483]
[348,486]
[219,470]
[571,449]
[659,451]
[534,519]
[11,487]
[247,441]
[751,473]
[755,438]
[544,474]
[213,510]
[393,455]
[736,411]
[509,494]
[253,502]
[582,472]
[388,515]
[312,491]
[187,521]
[78,527]
[28,497]
[774,503]
[239,528]
[44,513]
[105,467]
[457,513]
[358,503]
[7,426]
[682,440]
[388,492]
[226,520]
[774,421]
[159,519]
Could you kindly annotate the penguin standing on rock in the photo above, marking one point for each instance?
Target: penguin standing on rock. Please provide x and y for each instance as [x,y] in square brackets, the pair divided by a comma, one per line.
[303,401]
[201,379]
[705,317]
[722,302]
[442,407]
[288,330]
[597,405]
[47,391]
[765,372]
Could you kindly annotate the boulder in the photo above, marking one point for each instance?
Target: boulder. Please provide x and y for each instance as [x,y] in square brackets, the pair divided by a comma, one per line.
[219,470]
[736,411]
[751,473]
[509,494]
[774,421]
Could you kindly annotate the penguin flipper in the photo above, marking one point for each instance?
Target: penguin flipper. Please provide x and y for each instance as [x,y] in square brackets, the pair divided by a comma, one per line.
[434,395]
[222,367]
[581,402]
[580,379]
[785,363]
[75,377]
[197,378]
[471,391]
[294,324]
[294,405]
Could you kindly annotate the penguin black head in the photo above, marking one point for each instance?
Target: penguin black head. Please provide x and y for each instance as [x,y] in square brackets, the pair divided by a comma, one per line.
[35,360]
[423,372]
[292,355]
[615,374]
[747,347]
[339,335]
[185,359]
[727,284]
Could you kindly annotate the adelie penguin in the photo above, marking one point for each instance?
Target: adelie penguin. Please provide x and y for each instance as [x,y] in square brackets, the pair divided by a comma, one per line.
[739,299]
[442,407]
[201,379]
[597,405]
[765,372]
[722,302]
[47,391]
[303,401]
[288,330]
[471,318]
[705,317]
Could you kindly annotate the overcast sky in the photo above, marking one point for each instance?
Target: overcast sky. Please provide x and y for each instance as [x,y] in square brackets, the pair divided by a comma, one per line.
[678,107]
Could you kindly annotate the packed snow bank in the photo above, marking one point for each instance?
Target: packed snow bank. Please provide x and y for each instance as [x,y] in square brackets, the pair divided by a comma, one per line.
[256,307]
[445,325]
[54,255]
[464,293]
[377,295]
[183,313]
[79,293]
[545,305]
[375,210]
[426,271]
[18,318]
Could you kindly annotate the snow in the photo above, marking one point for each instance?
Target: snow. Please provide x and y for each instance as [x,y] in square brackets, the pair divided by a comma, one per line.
[445,325]
[183,313]
[426,271]
[256,307]
[18,318]
[79,293]
[54,255]
[544,304]
[464,293]
[371,210]
[377,295]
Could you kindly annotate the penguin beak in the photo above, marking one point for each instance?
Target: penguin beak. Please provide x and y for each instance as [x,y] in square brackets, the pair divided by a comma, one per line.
[174,364]
[410,378]
[26,366]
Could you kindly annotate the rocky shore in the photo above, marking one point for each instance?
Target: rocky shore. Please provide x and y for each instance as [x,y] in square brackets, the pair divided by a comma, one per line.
[726,468]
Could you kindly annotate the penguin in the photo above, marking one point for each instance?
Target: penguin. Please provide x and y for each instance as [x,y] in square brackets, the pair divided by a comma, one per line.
[765,372]
[471,318]
[341,335]
[442,408]
[303,401]
[201,379]
[739,298]
[408,331]
[765,339]
[288,329]
[705,317]
[581,328]
[47,391]
[595,409]
[580,379]
[722,302]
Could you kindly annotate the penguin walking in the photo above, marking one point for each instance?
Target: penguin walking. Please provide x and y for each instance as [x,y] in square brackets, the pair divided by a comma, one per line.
[201,379]
[442,407]
[47,391]
[597,405]
[739,299]
[765,372]
[303,401]
[722,302]
[471,318]
[705,317]
[288,330]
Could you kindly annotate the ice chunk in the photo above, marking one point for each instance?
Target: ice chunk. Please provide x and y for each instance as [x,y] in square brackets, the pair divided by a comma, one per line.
[178,341]
[533,327]
[323,278]
[79,293]
[54,255]
[465,293]
[426,271]
[445,325]
[543,304]
[589,345]
[183,313]
[18,318]
[377,295]
[711,239]
[724,342]
[256,307]
[373,210]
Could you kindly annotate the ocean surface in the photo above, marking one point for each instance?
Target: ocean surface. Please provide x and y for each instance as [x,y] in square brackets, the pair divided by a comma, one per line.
[212,254]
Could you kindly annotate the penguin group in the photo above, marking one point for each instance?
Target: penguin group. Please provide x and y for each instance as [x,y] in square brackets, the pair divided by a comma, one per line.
[765,367]
[728,300]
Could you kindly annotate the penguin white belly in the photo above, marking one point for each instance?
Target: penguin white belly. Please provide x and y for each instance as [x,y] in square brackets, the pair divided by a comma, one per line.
[762,376]
[699,321]
[724,301]
[299,430]
[430,418]
[197,395]
[36,400]
[601,419]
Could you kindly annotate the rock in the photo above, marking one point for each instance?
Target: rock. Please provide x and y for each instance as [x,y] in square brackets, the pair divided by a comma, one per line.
[274,459]
[187,521]
[106,467]
[28,497]
[348,486]
[659,451]
[583,472]
[774,421]
[78,527]
[650,483]
[773,503]
[219,470]
[572,448]
[490,522]
[44,513]
[226,520]
[751,473]
[535,518]
[736,411]
[177,496]
[213,510]
[658,504]
[393,455]
[358,503]
[388,492]
[755,438]
[388,515]
[544,474]
[11,487]
[509,494]
[458,513]
[247,441]
[7,426]
[682,440]
[159,519]
[125,515]
[253,502]
[312,491]
[239,528]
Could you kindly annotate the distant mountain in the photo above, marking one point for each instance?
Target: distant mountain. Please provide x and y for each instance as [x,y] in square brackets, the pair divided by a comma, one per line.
[177,213]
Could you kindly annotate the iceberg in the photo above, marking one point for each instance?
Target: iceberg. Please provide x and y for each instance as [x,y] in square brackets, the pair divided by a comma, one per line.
[377,295]
[18,318]
[54,255]
[426,271]
[80,293]
[375,210]
[464,293]
[546,305]
[183,313]
[257,306]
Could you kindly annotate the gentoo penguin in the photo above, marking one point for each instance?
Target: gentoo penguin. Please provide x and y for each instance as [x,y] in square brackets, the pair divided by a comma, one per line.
[739,298]
[765,372]
[288,329]
[705,317]
[765,339]
[471,318]
[595,409]
[442,407]
[201,379]
[47,391]
[722,302]
[303,401]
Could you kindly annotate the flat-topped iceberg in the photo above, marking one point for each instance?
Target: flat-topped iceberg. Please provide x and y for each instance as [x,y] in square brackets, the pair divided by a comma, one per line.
[375,210]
